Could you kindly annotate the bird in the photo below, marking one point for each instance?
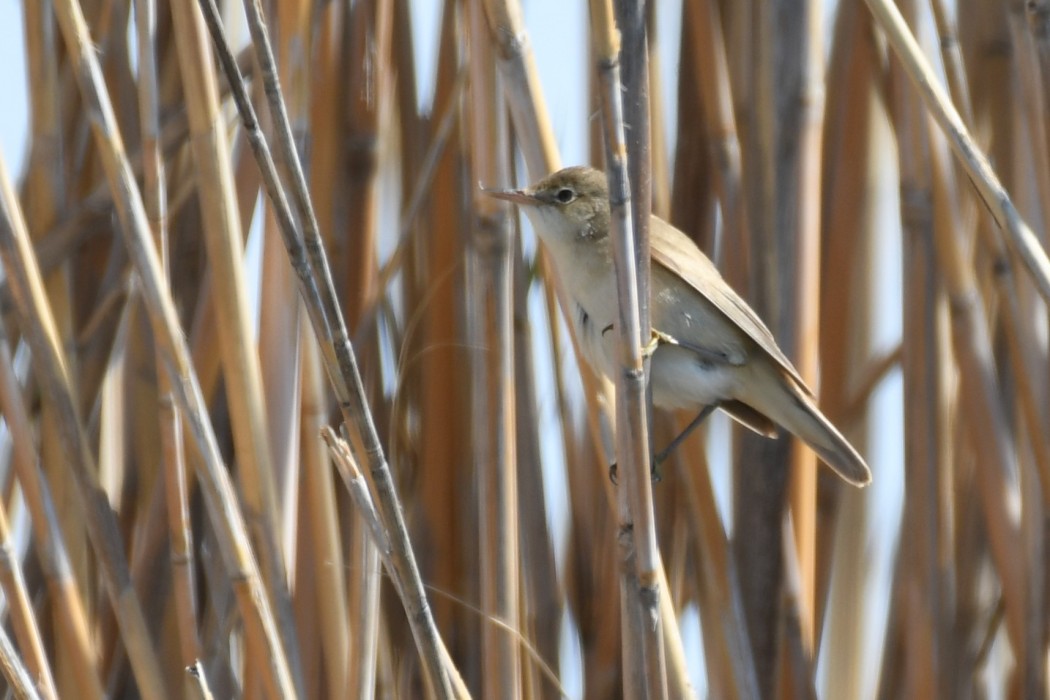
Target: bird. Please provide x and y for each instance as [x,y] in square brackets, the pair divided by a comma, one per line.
[712,350]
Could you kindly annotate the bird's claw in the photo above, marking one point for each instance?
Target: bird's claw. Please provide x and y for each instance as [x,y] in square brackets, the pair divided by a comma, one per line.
[657,339]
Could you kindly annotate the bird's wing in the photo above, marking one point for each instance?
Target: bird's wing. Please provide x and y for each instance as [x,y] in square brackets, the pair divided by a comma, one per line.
[674,251]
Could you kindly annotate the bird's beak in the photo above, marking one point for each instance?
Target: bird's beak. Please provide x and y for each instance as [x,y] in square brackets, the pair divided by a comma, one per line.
[516,196]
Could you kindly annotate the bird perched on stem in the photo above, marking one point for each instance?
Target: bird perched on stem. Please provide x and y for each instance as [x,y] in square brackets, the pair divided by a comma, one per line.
[711,349]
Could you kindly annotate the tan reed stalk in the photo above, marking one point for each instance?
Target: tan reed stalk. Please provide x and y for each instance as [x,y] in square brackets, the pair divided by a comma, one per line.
[535,138]
[692,194]
[981,403]
[279,305]
[443,408]
[53,374]
[46,187]
[640,556]
[800,182]
[489,301]
[543,597]
[727,658]
[634,70]
[320,508]
[1034,109]
[327,177]
[795,677]
[661,169]
[369,101]
[1037,13]
[716,100]
[11,667]
[12,580]
[855,134]
[368,39]
[176,487]
[240,361]
[591,581]
[75,645]
[315,285]
[135,227]
[1019,236]
[915,591]
[521,86]
[756,261]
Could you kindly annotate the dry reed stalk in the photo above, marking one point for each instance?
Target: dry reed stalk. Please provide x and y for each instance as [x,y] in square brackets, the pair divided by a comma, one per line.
[981,402]
[855,131]
[12,580]
[634,69]
[535,138]
[12,668]
[1019,236]
[543,597]
[489,302]
[51,547]
[716,100]
[320,507]
[661,169]
[135,226]
[915,592]
[795,677]
[46,187]
[756,261]
[279,305]
[315,285]
[1033,108]
[1037,13]
[369,27]
[53,374]
[729,663]
[692,195]
[443,407]
[640,556]
[240,361]
[799,181]
[369,105]
[176,486]
[521,87]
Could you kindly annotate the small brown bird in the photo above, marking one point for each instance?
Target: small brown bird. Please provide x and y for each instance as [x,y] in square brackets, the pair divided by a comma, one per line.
[715,351]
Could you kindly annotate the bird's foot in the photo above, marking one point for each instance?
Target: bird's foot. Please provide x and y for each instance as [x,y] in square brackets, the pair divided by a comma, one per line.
[657,339]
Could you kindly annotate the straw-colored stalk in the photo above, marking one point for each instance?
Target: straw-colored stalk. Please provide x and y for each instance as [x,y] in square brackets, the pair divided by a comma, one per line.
[1018,234]
[135,227]
[240,361]
[489,296]
[315,285]
[52,371]
[640,557]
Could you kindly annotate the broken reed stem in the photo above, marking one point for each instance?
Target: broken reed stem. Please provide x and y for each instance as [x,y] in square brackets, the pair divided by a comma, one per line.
[219,493]
[310,263]
[1019,236]
[640,583]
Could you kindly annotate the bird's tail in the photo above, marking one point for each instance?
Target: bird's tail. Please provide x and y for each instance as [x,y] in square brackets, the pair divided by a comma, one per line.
[779,398]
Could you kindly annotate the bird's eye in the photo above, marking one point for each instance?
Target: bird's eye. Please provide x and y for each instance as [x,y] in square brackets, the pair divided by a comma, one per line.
[565,195]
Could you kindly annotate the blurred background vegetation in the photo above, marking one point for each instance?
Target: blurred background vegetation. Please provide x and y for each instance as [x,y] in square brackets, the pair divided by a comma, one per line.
[787,138]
